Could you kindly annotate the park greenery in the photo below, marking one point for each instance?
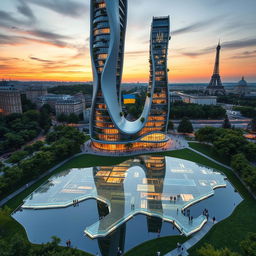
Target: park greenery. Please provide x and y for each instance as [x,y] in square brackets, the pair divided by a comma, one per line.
[248,248]
[252,125]
[62,143]
[18,129]
[196,111]
[240,223]
[18,246]
[249,112]
[237,100]
[233,146]
[185,126]
[71,119]
[72,89]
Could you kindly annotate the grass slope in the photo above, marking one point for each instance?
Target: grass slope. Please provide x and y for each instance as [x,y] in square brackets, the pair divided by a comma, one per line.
[209,151]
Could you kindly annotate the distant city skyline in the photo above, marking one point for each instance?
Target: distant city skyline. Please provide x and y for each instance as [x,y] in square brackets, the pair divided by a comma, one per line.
[49,39]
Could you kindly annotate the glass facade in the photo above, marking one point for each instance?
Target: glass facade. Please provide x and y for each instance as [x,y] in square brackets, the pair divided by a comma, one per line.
[107,52]
[155,186]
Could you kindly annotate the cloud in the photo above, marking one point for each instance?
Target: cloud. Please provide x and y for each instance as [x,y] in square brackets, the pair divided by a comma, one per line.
[40,60]
[24,9]
[42,34]
[7,20]
[21,40]
[194,27]
[68,7]
[235,44]
[245,55]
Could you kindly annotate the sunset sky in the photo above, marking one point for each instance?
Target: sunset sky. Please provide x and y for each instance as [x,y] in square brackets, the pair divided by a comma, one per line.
[49,39]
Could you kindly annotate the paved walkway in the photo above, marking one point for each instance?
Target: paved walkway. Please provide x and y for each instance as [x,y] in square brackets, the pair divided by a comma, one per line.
[192,241]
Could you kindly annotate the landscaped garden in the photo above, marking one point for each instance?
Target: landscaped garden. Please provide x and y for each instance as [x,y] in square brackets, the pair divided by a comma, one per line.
[228,233]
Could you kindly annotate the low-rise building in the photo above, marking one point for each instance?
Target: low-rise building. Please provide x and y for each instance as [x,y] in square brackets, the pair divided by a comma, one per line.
[51,99]
[10,99]
[69,106]
[34,92]
[63,104]
[198,99]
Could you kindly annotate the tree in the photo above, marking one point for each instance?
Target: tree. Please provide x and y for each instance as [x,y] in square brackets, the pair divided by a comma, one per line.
[32,115]
[209,250]
[45,121]
[226,123]
[206,134]
[13,141]
[132,110]
[229,144]
[73,118]
[185,126]
[250,151]
[252,125]
[17,156]
[62,118]
[47,108]
[249,245]
[170,125]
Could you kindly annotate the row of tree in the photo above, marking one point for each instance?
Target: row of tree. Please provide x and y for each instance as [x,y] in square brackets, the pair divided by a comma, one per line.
[18,129]
[72,89]
[196,111]
[237,100]
[62,143]
[231,144]
[248,248]
[246,111]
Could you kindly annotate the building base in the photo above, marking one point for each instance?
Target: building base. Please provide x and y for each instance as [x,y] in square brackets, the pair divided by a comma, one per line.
[128,147]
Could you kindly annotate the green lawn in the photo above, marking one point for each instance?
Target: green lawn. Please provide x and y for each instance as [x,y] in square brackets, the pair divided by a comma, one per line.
[150,248]
[226,233]
[208,150]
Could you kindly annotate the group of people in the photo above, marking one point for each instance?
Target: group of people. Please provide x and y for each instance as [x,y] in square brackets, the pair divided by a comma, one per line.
[75,203]
[179,247]
[206,213]
[68,243]
[119,252]
[174,198]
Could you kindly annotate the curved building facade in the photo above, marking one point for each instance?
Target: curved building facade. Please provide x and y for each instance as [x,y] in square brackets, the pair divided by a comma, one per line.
[109,129]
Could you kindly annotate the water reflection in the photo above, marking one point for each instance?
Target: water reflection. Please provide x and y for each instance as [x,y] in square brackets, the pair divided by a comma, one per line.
[156,186]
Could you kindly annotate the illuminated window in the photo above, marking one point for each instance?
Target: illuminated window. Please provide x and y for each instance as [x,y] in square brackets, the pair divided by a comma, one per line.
[101,31]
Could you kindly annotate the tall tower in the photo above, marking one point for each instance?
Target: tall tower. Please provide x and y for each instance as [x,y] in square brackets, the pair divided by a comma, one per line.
[109,129]
[215,86]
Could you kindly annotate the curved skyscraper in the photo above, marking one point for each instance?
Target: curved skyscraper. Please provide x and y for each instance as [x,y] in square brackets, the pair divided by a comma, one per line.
[109,129]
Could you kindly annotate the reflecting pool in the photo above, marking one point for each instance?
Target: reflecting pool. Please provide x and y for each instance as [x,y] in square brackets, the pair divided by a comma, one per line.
[102,208]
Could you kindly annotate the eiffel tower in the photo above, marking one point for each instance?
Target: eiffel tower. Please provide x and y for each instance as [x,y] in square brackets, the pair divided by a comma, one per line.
[215,86]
